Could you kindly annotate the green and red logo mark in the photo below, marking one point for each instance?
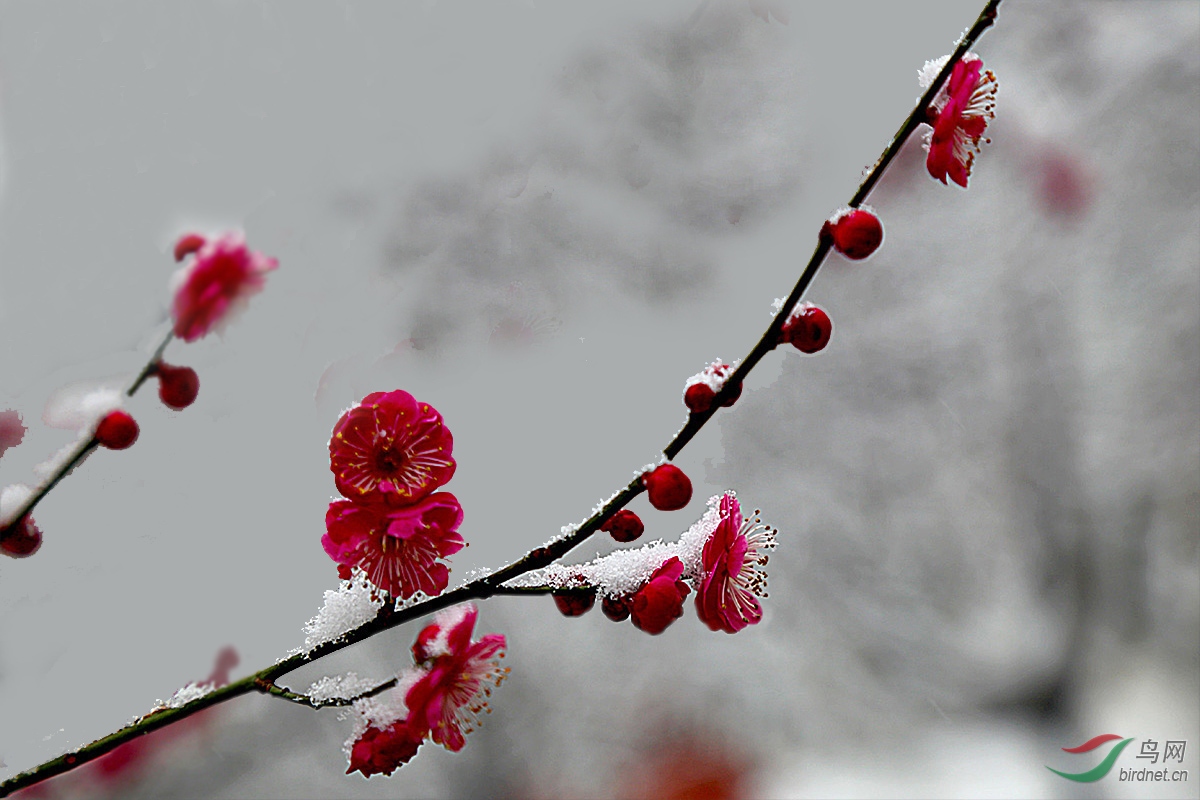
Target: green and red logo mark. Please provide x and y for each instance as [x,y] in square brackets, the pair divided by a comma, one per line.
[1100,770]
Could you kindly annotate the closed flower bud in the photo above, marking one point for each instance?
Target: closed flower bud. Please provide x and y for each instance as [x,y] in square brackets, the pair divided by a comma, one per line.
[615,608]
[701,389]
[20,539]
[575,602]
[698,398]
[808,329]
[660,601]
[623,526]
[177,386]
[733,397]
[669,489]
[188,244]
[117,430]
[854,232]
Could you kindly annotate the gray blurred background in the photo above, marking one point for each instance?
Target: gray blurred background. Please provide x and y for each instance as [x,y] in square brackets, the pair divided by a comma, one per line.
[542,218]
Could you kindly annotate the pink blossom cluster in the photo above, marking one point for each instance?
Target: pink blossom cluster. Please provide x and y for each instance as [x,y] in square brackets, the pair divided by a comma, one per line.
[389,455]
[440,699]
[721,558]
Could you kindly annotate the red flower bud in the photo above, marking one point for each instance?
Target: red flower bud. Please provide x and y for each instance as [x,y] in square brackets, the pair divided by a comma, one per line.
[669,489]
[20,539]
[624,526]
[117,430]
[856,233]
[737,392]
[188,244]
[660,602]
[701,389]
[615,608]
[698,398]
[575,602]
[177,386]
[808,329]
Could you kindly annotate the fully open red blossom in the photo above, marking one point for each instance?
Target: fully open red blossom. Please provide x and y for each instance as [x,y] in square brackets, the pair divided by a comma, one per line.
[660,602]
[392,447]
[726,599]
[959,115]
[220,279]
[383,750]
[449,698]
[399,548]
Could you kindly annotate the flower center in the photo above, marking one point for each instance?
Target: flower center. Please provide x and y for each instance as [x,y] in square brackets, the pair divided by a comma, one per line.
[388,460]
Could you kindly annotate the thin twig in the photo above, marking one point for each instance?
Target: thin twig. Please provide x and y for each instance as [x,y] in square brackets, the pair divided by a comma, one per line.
[264,681]
[771,337]
[522,591]
[151,365]
[275,690]
[85,447]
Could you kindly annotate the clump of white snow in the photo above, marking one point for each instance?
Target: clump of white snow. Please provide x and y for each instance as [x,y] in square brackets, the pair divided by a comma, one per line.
[12,498]
[51,466]
[796,311]
[637,473]
[78,407]
[927,74]
[354,603]
[193,691]
[446,621]
[339,687]
[81,406]
[596,509]
[713,376]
